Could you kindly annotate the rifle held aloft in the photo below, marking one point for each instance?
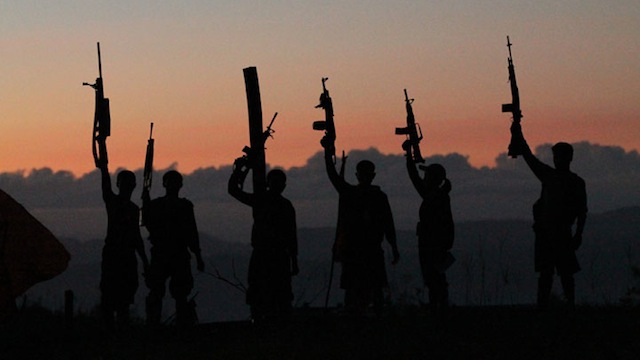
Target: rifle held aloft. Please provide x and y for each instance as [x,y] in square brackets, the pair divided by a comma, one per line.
[514,106]
[102,116]
[147,173]
[412,131]
[326,103]
[327,125]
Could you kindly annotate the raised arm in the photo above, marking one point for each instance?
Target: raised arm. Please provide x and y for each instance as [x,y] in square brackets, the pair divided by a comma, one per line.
[329,150]
[104,169]
[236,184]
[538,168]
[414,176]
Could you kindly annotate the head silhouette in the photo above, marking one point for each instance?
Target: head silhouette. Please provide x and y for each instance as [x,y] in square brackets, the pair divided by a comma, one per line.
[434,175]
[172,181]
[365,172]
[562,155]
[126,181]
[276,181]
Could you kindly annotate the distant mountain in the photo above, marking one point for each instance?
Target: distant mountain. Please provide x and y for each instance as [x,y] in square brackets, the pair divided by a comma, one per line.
[494,266]
[72,207]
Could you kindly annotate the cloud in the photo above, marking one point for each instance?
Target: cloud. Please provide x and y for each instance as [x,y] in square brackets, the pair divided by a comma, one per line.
[72,206]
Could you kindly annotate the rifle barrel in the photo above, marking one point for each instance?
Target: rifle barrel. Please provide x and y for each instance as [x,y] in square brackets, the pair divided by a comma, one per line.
[272,120]
[99,62]
[324,88]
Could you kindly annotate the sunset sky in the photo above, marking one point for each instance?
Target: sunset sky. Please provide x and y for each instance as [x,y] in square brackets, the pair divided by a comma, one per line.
[179,64]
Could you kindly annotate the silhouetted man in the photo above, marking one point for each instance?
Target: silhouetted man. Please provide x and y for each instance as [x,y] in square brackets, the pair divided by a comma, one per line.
[119,279]
[172,232]
[562,202]
[274,259]
[365,221]
[435,230]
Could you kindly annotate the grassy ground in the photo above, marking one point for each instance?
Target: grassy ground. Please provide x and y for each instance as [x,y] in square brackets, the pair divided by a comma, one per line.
[407,333]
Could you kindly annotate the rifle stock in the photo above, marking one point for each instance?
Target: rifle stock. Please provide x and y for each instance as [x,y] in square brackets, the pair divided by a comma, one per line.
[102,116]
[412,131]
[514,106]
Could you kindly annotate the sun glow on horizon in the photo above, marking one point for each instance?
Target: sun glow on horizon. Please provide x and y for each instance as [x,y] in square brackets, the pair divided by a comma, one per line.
[181,68]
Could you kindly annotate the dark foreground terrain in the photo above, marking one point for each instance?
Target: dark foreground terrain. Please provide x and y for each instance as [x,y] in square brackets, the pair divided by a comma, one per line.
[408,333]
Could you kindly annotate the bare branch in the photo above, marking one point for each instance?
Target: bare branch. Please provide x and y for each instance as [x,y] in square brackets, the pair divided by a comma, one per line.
[235,283]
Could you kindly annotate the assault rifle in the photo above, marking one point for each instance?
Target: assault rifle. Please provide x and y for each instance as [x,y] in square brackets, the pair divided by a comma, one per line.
[412,130]
[148,165]
[327,125]
[101,118]
[514,107]
[243,163]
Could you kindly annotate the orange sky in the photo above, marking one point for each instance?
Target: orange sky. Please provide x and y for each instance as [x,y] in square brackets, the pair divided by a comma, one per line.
[180,66]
